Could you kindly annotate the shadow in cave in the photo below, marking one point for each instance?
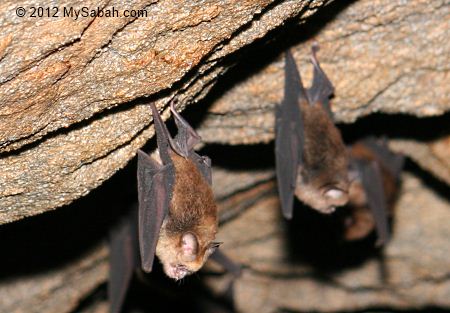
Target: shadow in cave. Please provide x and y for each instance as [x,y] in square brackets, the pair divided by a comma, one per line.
[254,57]
[157,293]
[154,292]
[241,157]
[54,238]
[397,126]
[257,55]
[316,239]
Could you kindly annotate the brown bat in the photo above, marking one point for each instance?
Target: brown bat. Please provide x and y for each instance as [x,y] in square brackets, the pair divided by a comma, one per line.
[177,212]
[311,158]
[372,194]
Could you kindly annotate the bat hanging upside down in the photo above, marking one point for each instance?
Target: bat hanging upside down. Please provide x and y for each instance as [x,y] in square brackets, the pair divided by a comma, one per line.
[374,189]
[177,210]
[311,158]
[177,215]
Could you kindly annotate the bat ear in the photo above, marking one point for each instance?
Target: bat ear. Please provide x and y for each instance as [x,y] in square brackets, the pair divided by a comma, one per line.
[213,247]
[189,245]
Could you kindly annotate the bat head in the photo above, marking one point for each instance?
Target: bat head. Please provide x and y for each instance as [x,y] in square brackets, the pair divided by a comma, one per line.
[323,198]
[183,255]
[323,193]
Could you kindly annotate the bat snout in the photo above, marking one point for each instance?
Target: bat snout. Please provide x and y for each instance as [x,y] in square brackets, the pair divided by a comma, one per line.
[177,271]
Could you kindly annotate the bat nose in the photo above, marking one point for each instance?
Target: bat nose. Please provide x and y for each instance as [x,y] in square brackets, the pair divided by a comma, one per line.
[177,272]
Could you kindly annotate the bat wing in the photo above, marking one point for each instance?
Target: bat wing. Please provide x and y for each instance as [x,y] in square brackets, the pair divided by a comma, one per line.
[376,199]
[203,163]
[154,189]
[322,88]
[123,259]
[289,138]
[163,138]
[186,137]
[392,161]
[186,140]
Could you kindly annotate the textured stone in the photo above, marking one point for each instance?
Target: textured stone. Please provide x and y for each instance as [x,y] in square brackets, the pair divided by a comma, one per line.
[73,112]
[59,290]
[433,156]
[399,277]
[71,92]
[382,56]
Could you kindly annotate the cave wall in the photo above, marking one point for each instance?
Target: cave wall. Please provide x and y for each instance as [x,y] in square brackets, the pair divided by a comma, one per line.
[73,112]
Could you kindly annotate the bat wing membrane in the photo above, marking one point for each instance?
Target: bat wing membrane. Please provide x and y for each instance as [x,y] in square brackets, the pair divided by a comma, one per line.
[322,88]
[392,161]
[376,199]
[154,189]
[186,139]
[289,138]
[203,163]
[124,259]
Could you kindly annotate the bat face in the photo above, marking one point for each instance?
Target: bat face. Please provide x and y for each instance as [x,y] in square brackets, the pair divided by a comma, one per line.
[311,158]
[187,234]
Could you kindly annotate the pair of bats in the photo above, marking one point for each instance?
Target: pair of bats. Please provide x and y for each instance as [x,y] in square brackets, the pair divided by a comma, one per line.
[313,163]
[176,217]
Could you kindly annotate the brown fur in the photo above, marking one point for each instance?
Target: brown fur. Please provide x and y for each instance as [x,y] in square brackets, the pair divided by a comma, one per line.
[361,222]
[192,210]
[325,160]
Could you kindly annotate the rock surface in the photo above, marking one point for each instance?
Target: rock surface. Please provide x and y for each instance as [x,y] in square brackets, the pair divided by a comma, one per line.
[382,56]
[334,280]
[72,104]
[433,156]
[59,290]
[72,110]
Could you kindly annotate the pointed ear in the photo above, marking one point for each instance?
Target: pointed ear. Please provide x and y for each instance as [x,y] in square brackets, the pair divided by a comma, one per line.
[213,247]
[189,246]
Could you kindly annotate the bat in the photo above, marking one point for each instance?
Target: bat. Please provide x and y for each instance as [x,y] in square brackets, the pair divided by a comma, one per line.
[176,215]
[123,258]
[177,211]
[310,156]
[374,189]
